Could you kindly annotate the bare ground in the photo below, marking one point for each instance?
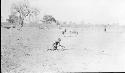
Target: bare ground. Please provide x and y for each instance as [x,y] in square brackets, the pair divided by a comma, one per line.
[25,51]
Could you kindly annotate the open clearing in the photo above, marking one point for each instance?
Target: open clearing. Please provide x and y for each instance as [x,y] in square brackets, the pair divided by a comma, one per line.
[92,49]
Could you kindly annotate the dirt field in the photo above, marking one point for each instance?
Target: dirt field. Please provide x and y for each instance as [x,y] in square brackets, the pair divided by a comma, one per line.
[92,49]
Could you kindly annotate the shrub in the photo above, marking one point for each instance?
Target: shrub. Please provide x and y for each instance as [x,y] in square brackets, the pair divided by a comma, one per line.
[13,19]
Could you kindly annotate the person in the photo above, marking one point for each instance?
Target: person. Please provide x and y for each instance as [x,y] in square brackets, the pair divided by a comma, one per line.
[56,44]
[63,32]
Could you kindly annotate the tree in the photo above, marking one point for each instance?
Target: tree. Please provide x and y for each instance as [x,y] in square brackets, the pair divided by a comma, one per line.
[23,10]
[33,14]
[48,19]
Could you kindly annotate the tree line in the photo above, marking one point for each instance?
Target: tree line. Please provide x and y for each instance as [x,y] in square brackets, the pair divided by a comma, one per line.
[22,12]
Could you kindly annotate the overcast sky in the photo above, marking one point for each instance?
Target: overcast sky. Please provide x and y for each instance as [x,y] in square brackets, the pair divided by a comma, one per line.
[89,11]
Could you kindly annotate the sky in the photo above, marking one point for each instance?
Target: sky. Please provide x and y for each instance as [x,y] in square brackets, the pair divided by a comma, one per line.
[87,11]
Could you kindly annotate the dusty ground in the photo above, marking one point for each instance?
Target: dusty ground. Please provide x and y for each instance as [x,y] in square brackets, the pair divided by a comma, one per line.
[92,49]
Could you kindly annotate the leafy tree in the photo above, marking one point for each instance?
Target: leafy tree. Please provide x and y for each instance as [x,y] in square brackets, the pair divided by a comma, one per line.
[23,10]
[48,19]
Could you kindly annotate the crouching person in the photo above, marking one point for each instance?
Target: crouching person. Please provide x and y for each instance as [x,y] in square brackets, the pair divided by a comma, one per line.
[57,44]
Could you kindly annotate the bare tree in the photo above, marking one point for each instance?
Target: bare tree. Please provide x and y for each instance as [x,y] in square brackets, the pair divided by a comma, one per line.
[34,12]
[23,10]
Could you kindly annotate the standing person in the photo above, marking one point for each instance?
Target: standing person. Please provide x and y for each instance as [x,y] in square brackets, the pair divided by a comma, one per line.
[105,28]
[63,32]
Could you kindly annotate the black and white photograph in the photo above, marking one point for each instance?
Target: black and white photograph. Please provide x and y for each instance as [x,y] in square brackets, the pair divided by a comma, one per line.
[62,36]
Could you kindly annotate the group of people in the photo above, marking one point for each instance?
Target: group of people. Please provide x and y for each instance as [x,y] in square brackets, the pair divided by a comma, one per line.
[57,43]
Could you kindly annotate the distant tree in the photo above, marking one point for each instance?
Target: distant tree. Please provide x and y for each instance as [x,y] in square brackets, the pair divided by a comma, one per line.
[48,19]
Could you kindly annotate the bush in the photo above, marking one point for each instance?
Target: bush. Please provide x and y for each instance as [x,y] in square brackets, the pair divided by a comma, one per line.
[13,19]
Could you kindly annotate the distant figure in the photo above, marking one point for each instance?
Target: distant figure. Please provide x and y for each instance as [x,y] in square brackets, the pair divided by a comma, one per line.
[74,32]
[56,44]
[105,28]
[69,33]
[63,32]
